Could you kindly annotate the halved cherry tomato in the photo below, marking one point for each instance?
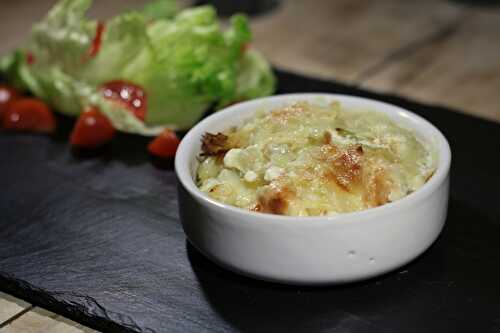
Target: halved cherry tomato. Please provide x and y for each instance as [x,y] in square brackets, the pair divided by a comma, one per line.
[92,129]
[7,95]
[29,114]
[129,94]
[164,145]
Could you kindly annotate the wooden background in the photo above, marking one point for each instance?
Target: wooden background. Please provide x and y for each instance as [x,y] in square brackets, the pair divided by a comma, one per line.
[435,51]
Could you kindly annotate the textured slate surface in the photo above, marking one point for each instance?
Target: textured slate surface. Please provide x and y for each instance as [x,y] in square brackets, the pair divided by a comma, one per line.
[97,238]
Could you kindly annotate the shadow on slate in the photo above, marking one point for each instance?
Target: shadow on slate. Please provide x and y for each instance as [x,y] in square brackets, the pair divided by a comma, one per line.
[96,237]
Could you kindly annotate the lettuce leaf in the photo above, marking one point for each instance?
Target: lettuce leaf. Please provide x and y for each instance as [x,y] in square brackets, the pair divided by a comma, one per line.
[64,37]
[160,9]
[14,67]
[255,77]
[185,62]
[195,65]
[124,38]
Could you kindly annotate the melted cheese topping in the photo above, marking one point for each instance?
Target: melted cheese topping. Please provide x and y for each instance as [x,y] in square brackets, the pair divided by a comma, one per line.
[310,160]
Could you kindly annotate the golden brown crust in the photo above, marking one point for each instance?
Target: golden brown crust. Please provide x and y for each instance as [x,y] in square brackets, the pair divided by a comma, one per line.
[377,188]
[275,200]
[214,144]
[283,115]
[256,208]
[327,152]
[327,138]
[382,188]
[346,169]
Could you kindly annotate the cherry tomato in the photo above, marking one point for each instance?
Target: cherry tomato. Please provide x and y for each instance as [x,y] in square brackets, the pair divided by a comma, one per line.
[29,114]
[164,145]
[129,94]
[7,95]
[92,129]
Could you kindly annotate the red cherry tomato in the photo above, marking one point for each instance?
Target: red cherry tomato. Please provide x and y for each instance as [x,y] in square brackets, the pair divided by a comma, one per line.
[7,95]
[129,94]
[92,129]
[164,145]
[29,114]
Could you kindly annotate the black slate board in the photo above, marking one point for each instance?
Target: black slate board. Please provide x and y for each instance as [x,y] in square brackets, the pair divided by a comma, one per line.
[97,238]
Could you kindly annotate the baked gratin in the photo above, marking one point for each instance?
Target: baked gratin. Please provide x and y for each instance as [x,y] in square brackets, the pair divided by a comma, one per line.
[308,159]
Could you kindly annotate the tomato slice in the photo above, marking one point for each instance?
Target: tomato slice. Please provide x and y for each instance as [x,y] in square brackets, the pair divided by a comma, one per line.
[132,96]
[164,145]
[30,58]
[97,41]
[29,114]
[92,129]
[7,95]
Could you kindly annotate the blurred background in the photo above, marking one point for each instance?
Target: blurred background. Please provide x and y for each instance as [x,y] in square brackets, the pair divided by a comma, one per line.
[436,51]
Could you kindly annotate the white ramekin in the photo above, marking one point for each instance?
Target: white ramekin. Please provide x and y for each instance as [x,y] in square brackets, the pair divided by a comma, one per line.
[312,250]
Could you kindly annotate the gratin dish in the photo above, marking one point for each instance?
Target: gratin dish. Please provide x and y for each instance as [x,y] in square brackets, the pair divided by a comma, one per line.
[312,250]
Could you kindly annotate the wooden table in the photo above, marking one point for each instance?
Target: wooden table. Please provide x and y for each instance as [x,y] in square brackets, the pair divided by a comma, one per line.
[439,52]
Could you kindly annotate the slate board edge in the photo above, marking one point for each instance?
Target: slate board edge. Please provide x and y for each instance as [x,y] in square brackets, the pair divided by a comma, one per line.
[100,319]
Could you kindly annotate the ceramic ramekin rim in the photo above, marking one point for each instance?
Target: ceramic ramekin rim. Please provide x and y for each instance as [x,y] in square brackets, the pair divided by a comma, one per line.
[183,160]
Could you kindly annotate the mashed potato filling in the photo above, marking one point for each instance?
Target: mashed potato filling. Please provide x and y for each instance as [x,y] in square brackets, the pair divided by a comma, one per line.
[310,160]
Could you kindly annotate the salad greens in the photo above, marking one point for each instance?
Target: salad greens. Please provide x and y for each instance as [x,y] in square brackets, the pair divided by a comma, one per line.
[184,61]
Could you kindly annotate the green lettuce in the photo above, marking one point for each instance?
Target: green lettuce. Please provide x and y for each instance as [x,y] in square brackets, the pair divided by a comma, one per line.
[184,60]
[14,67]
[63,38]
[255,77]
[160,9]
